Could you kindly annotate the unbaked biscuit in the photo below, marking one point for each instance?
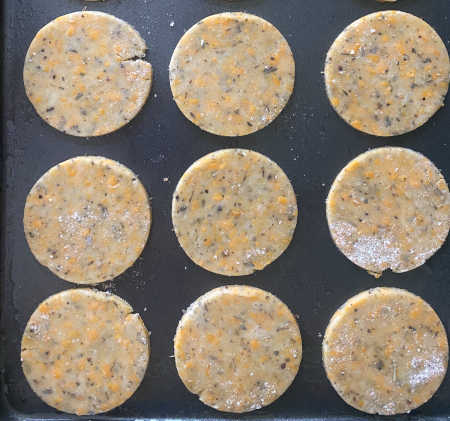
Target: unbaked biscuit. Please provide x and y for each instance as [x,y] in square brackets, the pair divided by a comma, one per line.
[387,73]
[389,209]
[84,73]
[385,351]
[238,348]
[84,351]
[87,219]
[231,74]
[234,211]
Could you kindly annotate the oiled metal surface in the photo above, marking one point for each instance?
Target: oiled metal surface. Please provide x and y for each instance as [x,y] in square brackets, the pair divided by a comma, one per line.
[309,141]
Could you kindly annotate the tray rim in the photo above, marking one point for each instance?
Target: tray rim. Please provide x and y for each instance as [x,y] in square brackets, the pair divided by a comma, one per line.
[3,400]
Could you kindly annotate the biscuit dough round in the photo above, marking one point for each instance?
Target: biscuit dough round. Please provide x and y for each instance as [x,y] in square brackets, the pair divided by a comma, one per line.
[84,75]
[234,211]
[231,74]
[239,348]
[84,351]
[389,209]
[87,219]
[387,73]
[385,351]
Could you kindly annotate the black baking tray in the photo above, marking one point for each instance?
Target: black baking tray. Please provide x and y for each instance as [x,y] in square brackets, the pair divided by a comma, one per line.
[308,140]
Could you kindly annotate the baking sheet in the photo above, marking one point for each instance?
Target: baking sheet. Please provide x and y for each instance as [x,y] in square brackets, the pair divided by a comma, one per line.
[308,140]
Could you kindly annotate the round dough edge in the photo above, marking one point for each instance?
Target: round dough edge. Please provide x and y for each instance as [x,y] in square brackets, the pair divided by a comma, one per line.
[201,259]
[207,299]
[45,308]
[356,162]
[253,125]
[348,308]
[40,253]
[437,94]
[130,56]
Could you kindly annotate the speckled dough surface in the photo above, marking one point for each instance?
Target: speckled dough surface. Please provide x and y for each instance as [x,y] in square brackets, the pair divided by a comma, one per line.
[385,351]
[234,211]
[389,208]
[238,348]
[231,74]
[87,219]
[82,76]
[84,352]
[387,73]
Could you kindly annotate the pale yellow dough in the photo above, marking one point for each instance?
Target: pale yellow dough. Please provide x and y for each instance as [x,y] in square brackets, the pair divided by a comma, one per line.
[387,73]
[385,351]
[84,351]
[238,348]
[231,74]
[389,208]
[84,73]
[234,211]
[87,219]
